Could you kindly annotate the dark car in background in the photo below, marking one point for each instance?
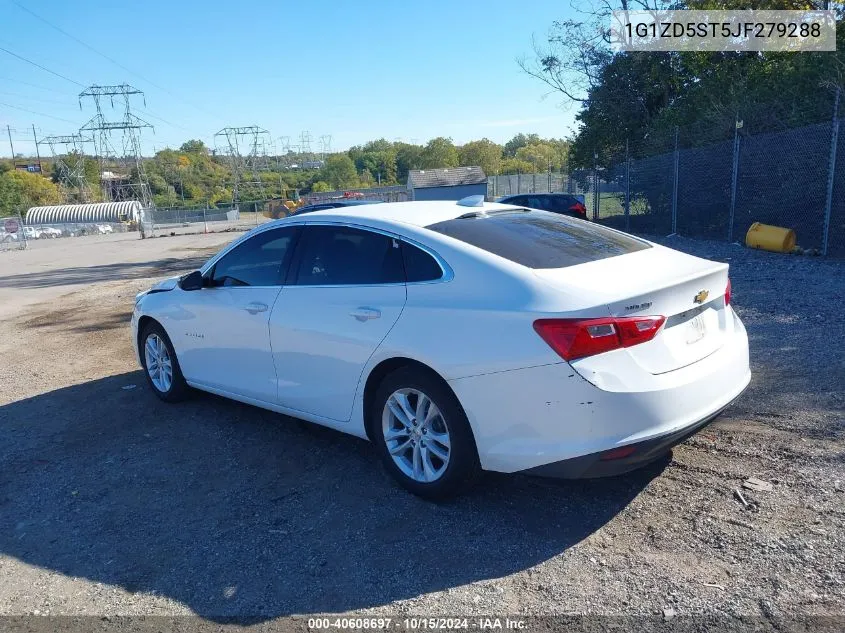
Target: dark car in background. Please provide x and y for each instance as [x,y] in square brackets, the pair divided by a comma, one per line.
[563,203]
[334,204]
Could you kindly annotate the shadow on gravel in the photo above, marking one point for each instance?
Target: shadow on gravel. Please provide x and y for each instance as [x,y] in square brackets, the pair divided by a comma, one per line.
[104,272]
[237,512]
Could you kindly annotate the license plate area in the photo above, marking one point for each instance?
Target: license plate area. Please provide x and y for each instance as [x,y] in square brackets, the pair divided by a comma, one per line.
[696,329]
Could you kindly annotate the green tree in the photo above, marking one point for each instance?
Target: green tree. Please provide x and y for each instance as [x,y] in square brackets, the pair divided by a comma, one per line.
[20,190]
[520,140]
[408,157]
[378,158]
[439,152]
[484,153]
[194,146]
[339,172]
[516,166]
[319,186]
[544,155]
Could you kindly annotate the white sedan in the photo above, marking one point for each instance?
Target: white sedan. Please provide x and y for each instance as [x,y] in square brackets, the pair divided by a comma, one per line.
[457,337]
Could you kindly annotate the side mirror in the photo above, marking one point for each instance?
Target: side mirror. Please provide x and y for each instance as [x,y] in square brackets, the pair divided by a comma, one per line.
[193,281]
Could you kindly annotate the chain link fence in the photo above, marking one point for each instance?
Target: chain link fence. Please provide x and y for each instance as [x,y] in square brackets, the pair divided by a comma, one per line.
[394,193]
[180,221]
[13,235]
[793,178]
[512,184]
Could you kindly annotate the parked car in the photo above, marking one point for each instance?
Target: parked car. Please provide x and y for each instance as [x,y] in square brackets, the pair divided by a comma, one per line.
[50,232]
[457,337]
[104,228]
[32,233]
[6,237]
[555,202]
[334,204]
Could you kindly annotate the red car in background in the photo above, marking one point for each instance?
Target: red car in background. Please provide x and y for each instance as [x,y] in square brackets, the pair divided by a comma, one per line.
[563,203]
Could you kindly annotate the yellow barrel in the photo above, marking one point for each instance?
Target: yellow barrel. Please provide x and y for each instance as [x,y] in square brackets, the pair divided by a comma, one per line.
[770,238]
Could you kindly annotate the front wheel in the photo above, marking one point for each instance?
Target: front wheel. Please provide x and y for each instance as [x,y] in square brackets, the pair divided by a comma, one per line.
[423,436]
[161,365]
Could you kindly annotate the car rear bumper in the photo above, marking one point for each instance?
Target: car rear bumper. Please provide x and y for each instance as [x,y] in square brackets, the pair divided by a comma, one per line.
[605,464]
[546,416]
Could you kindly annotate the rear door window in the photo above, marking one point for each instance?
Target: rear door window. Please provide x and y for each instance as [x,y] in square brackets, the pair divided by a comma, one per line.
[539,239]
[419,265]
[341,256]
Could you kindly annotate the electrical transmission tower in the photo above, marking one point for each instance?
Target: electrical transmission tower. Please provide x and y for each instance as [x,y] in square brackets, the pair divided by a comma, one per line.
[69,161]
[325,145]
[305,145]
[121,167]
[284,150]
[246,150]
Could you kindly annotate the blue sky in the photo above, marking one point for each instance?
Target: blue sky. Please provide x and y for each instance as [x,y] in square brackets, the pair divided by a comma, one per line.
[354,70]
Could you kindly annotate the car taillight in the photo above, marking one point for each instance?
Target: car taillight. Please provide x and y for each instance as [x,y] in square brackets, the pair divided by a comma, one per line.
[728,293]
[578,208]
[578,338]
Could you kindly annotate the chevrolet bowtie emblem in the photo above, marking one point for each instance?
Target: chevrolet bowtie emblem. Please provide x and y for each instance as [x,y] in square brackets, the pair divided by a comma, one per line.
[701,297]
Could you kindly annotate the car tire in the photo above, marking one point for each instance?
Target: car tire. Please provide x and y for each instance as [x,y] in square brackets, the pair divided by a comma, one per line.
[420,468]
[161,367]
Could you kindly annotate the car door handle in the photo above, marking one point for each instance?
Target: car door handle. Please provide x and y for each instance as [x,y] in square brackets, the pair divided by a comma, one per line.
[365,314]
[255,307]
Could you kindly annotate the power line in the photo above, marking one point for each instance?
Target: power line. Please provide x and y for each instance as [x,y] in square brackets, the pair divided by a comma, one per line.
[106,57]
[82,43]
[37,65]
[26,83]
[49,116]
[163,120]
[49,101]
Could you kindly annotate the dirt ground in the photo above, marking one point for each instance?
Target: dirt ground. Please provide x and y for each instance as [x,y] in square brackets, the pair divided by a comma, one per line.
[115,503]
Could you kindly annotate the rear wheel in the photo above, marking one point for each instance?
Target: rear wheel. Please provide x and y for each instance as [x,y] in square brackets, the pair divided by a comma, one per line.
[161,365]
[423,436]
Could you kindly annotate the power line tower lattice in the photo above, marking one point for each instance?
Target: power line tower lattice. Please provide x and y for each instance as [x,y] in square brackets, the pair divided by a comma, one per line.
[246,151]
[325,145]
[121,167]
[69,162]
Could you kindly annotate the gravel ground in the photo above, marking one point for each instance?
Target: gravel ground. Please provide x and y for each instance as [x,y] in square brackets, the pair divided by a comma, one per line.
[114,503]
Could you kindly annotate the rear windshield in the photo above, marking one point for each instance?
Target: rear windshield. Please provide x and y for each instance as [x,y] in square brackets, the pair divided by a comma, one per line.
[539,239]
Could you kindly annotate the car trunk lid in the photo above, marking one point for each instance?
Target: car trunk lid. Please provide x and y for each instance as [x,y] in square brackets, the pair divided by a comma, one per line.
[688,291]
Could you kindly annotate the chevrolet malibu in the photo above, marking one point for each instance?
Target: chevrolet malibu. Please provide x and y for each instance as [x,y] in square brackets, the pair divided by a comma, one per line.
[457,337]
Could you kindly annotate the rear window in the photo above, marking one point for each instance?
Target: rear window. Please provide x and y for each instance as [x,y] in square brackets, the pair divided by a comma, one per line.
[539,239]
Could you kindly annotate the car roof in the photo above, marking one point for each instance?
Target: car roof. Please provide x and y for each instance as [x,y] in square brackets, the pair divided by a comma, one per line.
[340,203]
[352,203]
[419,213]
[546,193]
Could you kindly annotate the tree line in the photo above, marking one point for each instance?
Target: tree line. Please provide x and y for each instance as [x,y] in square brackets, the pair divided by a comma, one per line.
[193,175]
[639,103]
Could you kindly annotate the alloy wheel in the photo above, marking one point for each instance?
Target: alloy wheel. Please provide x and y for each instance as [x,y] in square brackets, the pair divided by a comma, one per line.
[159,364]
[416,435]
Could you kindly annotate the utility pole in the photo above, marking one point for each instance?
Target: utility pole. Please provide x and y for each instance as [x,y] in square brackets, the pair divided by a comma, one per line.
[37,153]
[11,145]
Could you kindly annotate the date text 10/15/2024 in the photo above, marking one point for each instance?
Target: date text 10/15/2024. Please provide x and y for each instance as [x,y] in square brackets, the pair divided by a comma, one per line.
[417,623]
